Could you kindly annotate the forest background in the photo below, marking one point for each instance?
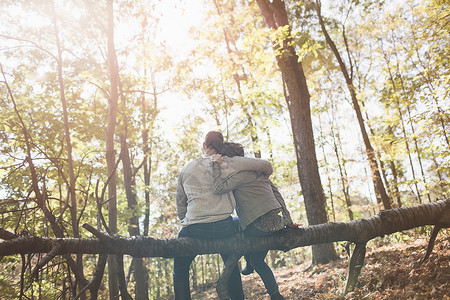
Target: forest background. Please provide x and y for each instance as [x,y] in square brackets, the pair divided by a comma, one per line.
[182,68]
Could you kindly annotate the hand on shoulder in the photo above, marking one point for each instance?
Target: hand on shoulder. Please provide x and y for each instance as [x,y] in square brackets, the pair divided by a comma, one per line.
[217,158]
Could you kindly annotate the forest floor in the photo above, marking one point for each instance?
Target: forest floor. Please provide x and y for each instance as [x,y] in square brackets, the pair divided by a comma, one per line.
[391,271]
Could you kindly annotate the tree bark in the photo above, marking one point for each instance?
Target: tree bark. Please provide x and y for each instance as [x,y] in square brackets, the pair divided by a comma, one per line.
[298,102]
[357,231]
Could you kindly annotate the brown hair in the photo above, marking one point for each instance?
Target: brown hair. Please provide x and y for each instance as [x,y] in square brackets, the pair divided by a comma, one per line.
[232,149]
[214,139]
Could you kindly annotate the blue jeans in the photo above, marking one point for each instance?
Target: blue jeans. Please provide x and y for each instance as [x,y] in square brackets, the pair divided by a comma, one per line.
[256,260]
[215,230]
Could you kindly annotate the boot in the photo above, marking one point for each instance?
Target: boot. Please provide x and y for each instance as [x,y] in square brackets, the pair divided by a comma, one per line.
[247,270]
[277,296]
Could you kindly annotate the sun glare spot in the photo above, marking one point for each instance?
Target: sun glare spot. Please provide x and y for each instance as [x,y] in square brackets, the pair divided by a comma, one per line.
[177,17]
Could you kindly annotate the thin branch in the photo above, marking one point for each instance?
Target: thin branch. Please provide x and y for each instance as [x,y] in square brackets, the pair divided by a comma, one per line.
[7,235]
[121,278]
[56,248]
[109,179]
[145,92]
[32,43]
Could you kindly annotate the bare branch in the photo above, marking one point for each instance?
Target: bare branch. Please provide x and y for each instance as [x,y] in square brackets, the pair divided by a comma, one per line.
[31,43]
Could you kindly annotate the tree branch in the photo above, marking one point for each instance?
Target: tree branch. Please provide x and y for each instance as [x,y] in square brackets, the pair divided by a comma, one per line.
[357,231]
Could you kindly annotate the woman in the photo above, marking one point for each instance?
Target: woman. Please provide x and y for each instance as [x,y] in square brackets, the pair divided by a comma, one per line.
[259,205]
[203,216]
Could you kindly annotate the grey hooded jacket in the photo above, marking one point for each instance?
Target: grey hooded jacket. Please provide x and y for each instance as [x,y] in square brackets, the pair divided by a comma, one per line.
[257,199]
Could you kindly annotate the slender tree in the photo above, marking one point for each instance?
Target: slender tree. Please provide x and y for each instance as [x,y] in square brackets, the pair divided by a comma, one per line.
[327,168]
[380,191]
[113,70]
[396,101]
[72,196]
[337,146]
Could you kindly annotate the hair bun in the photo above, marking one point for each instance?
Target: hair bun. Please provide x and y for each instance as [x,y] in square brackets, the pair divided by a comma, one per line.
[214,139]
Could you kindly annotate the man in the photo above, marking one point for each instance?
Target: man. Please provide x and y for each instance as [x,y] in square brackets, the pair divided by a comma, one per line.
[203,215]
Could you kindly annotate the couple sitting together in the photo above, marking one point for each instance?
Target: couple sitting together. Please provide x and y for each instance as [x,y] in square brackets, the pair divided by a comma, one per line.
[209,189]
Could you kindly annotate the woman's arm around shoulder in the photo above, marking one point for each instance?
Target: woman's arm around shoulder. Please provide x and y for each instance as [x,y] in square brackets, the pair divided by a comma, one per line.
[250,164]
[224,185]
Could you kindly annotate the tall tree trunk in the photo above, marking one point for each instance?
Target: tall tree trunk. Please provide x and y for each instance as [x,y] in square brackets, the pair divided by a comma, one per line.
[70,168]
[298,102]
[405,137]
[140,272]
[147,165]
[110,151]
[328,172]
[147,124]
[380,191]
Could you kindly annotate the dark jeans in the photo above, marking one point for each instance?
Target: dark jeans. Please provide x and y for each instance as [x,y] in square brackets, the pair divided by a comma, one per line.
[216,230]
[257,261]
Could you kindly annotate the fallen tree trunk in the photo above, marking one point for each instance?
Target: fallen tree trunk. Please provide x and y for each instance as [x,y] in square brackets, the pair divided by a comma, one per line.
[358,231]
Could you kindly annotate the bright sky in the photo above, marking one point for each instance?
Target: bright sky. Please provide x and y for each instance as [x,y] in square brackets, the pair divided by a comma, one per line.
[177,17]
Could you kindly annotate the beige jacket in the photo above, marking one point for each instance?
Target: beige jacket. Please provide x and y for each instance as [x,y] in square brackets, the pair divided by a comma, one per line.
[196,202]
